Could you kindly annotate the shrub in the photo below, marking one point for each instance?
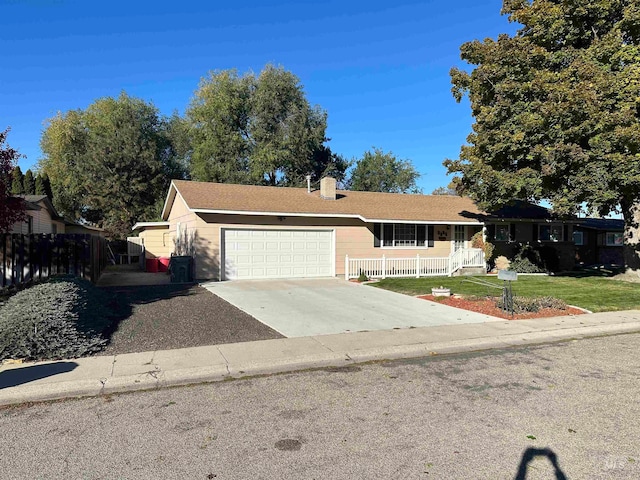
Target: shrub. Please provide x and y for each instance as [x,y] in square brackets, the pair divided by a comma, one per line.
[362,277]
[533,304]
[62,318]
[528,260]
[524,265]
[477,241]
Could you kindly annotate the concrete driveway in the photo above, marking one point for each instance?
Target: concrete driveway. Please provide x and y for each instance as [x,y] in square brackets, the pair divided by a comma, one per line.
[303,307]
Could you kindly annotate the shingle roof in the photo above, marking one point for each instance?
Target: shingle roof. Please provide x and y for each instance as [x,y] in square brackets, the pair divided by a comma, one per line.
[33,201]
[519,209]
[219,197]
[602,223]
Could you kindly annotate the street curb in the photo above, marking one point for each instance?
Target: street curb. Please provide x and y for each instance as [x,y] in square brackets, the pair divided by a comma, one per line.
[158,378]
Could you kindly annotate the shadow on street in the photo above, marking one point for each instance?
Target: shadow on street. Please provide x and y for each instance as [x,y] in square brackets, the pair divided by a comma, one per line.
[530,454]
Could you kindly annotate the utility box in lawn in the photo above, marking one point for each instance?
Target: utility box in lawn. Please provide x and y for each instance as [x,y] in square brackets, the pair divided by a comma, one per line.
[180,269]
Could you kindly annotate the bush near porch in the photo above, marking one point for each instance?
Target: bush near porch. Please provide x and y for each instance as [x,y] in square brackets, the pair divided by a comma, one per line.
[598,294]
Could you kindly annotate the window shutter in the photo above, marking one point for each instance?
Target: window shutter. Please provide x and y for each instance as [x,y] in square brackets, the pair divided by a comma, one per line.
[376,234]
[534,232]
[512,232]
[430,236]
[565,237]
[421,234]
[491,232]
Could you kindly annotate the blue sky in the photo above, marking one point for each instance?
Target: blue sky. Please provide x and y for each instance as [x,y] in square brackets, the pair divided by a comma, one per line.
[380,69]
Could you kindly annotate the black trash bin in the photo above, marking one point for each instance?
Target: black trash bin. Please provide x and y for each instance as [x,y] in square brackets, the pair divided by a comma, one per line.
[180,269]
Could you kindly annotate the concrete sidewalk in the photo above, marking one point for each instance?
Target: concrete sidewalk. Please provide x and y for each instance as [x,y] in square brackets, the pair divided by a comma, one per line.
[136,371]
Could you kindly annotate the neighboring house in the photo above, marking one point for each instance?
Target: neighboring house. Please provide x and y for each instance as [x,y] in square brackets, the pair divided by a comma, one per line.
[41,217]
[244,231]
[523,223]
[599,241]
[575,241]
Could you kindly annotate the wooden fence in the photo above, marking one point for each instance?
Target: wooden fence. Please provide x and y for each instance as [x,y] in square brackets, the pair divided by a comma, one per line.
[25,258]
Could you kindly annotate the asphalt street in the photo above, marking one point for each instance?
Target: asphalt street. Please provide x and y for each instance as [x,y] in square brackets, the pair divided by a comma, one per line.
[565,410]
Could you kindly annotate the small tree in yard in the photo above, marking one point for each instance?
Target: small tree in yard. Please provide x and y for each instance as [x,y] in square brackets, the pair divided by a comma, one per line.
[12,209]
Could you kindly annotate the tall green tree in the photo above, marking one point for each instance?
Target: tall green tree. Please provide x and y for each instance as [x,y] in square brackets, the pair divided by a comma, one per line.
[43,186]
[109,164]
[557,111]
[39,185]
[218,119]
[258,130]
[12,209]
[444,191]
[29,183]
[17,181]
[64,147]
[378,171]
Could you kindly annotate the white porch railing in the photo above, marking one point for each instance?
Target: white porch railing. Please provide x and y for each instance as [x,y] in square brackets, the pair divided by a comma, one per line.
[413,266]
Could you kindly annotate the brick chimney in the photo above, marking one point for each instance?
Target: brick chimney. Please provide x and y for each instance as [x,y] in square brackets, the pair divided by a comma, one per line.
[328,188]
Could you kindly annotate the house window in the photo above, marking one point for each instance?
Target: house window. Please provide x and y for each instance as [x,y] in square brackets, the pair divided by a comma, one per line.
[550,233]
[54,228]
[29,224]
[578,237]
[404,235]
[614,239]
[398,235]
[502,232]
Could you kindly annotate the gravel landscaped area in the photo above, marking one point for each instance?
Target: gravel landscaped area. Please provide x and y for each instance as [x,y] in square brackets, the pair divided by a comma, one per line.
[161,317]
[487,305]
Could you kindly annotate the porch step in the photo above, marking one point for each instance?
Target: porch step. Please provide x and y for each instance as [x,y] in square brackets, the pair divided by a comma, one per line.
[464,271]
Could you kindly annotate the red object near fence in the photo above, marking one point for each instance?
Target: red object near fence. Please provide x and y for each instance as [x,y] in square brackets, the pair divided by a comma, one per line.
[152,265]
[163,264]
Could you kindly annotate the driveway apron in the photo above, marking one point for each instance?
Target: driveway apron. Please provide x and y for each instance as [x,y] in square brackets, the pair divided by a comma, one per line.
[304,307]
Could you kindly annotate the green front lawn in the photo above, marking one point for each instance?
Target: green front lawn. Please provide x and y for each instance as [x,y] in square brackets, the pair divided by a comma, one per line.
[597,294]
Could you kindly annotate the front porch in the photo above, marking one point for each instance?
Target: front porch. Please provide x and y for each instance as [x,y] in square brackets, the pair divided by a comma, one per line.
[418,266]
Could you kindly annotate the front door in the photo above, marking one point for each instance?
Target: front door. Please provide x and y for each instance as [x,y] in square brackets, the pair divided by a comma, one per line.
[458,237]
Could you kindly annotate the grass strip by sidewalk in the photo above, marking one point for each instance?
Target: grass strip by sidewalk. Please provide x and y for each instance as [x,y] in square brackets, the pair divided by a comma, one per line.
[597,294]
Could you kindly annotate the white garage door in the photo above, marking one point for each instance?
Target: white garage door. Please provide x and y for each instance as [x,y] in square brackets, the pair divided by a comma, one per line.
[277,254]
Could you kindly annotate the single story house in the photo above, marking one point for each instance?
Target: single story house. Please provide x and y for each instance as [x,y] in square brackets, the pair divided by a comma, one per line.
[522,223]
[42,217]
[246,231]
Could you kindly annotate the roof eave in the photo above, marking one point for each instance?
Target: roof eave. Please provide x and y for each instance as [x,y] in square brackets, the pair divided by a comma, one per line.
[140,225]
[333,215]
[168,202]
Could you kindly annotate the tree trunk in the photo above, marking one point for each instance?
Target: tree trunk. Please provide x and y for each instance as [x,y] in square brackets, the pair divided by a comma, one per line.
[631,249]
